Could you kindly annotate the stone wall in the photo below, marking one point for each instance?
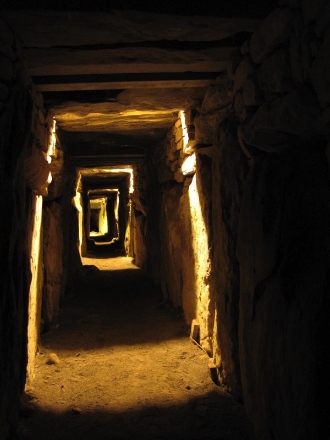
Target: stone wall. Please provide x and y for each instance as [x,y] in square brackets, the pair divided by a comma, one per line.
[27,272]
[255,271]
[138,216]
[283,247]
[22,127]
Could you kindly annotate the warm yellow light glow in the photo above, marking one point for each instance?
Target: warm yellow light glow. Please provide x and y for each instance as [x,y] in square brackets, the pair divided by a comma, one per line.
[101,205]
[77,202]
[50,178]
[87,172]
[189,165]
[52,144]
[34,300]
[125,170]
[202,264]
[184,130]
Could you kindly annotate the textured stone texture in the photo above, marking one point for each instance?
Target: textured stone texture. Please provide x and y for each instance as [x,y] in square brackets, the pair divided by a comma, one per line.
[274,74]
[283,252]
[15,202]
[229,168]
[217,96]
[263,311]
[206,126]
[37,171]
[53,264]
[252,94]
[275,30]
[296,116]
[172,242]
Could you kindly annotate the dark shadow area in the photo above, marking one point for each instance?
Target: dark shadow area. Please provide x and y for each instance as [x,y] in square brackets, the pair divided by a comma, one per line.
[212,417]
[222,8]
[115,307]
[103,249]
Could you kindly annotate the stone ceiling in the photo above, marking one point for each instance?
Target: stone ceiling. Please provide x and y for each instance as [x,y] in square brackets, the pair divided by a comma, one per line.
[115,80]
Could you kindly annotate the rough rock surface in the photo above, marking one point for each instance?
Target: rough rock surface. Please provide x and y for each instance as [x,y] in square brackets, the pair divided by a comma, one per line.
[283,252]
[275,30]
[53,278]
[15,203]
[229,168]
[293,118]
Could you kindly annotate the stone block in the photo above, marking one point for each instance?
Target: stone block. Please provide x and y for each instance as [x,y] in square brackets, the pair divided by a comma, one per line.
[206,125]
[41,135]
[178,124]
[191,132]
[179,145]
[194,332]
[49,117]
[252,94]
[174,166]
[6,69]
[36,172]
[178,176]
[189,165]
[296,116]
[216,97]
[178,135]
[190,116]
[274,74]
[243,71]
[273,32]
[285,204]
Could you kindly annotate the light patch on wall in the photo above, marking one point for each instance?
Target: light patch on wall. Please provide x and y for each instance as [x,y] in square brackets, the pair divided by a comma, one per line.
[188,144]
[185,135]
[202,265]
[189,165]
[100,205]
[34,299]
[77,202]
[52,152]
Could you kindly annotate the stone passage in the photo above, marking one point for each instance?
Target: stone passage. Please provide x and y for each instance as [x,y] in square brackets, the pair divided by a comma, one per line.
[125,368]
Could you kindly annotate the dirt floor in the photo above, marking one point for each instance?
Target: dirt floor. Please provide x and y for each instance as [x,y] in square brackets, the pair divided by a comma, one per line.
[126,369]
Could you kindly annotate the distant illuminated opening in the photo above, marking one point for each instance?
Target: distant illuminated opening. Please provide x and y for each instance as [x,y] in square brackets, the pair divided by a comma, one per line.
[98,216]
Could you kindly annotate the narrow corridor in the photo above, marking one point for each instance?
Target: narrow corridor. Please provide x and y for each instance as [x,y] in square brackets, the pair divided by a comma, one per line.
[126,368]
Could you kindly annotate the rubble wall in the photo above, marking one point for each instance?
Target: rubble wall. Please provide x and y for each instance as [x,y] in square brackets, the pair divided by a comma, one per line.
[253,266]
